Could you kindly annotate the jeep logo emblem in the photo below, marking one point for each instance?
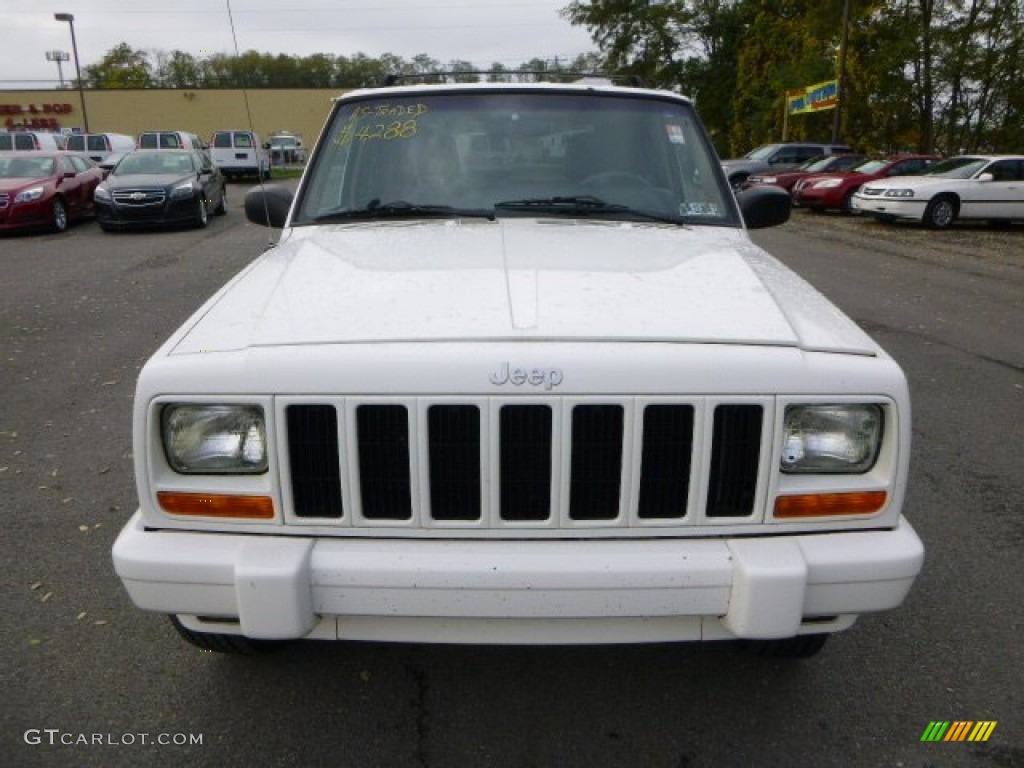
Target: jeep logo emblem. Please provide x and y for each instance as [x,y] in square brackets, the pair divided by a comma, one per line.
[549,378]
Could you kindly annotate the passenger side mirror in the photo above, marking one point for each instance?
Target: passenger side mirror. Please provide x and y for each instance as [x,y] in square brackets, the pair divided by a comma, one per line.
[987,177]
[764,206]
[268,205]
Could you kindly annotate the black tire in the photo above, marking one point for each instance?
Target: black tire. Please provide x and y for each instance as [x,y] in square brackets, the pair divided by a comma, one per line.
[218,643]
[202,215]
[848,203]
[222,206]
[58,216]
[799,647]
[941,212]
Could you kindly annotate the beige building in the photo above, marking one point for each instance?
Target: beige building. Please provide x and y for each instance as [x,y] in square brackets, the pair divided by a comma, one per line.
[300,111]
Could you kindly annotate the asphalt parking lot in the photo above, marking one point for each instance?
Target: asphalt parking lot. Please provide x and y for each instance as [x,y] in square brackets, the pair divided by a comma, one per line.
[82,311]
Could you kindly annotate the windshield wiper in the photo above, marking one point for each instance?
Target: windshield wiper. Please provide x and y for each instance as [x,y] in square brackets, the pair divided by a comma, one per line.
[580,205]
[401,209]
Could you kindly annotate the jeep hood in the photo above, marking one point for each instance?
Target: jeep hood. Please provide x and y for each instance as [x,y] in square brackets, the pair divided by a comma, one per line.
[519,279]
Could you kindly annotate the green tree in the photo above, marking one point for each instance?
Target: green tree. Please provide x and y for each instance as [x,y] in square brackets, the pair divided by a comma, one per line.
[122,67]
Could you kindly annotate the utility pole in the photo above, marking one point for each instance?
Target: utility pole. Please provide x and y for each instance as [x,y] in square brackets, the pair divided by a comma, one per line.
[838,114]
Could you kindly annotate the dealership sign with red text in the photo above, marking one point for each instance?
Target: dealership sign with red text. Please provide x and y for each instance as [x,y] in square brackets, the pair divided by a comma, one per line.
[33,116]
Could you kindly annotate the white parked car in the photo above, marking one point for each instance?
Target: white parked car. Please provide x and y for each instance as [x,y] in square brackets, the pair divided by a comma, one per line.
[515,373]
[985,187]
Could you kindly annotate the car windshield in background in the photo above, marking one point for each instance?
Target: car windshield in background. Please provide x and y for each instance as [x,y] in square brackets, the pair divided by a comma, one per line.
[870,166]
[26,167]
[957,167]
[516,154]
[159,163]
[761,153]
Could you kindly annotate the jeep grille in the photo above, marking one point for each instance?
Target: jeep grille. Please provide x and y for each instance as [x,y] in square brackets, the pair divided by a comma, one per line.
[392,467]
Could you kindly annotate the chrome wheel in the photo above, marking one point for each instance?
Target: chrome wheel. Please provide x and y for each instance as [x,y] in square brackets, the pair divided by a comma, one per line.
[59,219]
[940,213]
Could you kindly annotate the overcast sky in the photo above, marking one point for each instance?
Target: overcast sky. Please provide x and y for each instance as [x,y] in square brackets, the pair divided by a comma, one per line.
[479,31]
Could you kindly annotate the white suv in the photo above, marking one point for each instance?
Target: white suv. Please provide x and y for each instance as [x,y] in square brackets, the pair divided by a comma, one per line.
[515,373]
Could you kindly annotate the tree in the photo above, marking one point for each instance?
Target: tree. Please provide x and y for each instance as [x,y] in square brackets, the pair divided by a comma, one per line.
[122,67]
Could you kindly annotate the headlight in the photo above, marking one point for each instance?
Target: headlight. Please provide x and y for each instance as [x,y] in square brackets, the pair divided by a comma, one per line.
[215,439]
[828,183]
[182,190]
[899,193]
[829,439]
[101,193]
[28,195]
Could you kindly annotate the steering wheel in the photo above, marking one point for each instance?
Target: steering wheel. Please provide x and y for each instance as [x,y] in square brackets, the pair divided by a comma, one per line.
[617,177]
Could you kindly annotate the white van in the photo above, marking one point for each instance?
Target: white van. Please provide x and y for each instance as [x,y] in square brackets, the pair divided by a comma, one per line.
[240,153]
[98,146]
[169,140]
[30,140]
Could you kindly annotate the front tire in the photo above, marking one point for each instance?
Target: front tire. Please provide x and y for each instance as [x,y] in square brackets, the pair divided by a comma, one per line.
[219,643]
[799,647]
[941,212]
[222,206]
[59,215]
[202,215]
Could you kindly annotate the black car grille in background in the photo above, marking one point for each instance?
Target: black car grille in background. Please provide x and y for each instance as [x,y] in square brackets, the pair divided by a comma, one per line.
[139,197]
[388,466]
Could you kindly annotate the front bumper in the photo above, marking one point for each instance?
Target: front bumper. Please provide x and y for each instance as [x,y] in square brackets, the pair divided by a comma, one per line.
[168,213]
[888,207]
[581,591]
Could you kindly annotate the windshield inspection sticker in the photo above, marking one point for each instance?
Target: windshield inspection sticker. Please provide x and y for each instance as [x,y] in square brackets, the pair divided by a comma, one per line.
[675,134]
[697,208]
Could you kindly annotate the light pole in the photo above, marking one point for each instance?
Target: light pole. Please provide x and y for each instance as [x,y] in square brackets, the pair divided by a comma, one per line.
[78,72]
[58,56]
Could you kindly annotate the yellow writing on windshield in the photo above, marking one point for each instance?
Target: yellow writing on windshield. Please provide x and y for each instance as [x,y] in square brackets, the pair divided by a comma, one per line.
[369,123]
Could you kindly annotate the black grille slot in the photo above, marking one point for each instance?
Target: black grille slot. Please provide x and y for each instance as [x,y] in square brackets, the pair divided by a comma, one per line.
[454,443]
[383,439]
[735,451]
[665,465]
[313,458]
[596,477]
[525,462]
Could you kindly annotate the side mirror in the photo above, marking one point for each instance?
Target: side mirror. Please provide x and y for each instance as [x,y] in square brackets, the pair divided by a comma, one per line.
[987,177]
[268,205]
[764,206]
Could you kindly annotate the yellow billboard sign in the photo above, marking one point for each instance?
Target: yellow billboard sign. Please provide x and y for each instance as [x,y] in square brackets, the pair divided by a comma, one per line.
[813,98]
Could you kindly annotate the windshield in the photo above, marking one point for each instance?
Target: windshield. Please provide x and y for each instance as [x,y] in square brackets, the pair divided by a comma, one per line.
[870,166]
[511,153]
[26,167]
[957,167]
[170,163]
[762,153]
[819,163]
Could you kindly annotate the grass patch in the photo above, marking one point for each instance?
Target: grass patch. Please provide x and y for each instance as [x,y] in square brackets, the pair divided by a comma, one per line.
[285,173]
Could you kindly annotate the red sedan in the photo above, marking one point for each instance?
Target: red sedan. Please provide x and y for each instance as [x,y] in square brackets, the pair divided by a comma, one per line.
[835,190]
[787,177]
[46,189]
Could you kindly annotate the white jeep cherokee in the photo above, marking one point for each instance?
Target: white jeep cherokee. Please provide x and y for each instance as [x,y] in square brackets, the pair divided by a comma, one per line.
[515,373]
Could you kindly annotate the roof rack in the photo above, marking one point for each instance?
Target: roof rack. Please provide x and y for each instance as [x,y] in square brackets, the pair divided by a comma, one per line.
[563,76]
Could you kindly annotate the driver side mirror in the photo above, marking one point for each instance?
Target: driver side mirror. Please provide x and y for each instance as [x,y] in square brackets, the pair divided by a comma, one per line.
[987,177]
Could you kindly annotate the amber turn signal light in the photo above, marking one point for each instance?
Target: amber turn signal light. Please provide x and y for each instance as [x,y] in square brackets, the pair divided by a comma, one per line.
[217,505]
[829,504]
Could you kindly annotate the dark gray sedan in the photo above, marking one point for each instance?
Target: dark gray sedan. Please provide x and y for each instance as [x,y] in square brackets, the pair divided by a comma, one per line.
[155,188]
